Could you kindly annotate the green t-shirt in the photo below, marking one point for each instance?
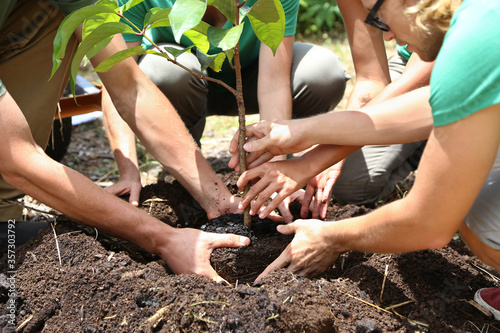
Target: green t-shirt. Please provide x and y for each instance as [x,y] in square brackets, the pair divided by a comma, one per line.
[249,43]
[65,6]
[403,51]
[466,75]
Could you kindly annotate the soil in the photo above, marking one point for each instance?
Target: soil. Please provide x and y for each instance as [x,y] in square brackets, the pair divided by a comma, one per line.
[103,284]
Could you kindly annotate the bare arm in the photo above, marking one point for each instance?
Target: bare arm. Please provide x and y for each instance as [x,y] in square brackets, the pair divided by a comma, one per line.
[417,74]
[122,141]
[368,54]
[25,166]
[274,95]
[406,118]
[156,123]
[455,164]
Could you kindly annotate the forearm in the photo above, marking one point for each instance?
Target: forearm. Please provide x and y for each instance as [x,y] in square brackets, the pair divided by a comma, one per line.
[394,228]
[402,119]
[416,74]
[322,157]
[368,54]
[156,123]
[74,195]
[121,138]
[273,90]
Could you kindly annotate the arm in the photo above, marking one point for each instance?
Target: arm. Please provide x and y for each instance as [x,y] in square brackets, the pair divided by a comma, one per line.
[156,123]
[406,118]
[455,164]
[274,94]
[122,141]
[25,166]
[368,54]
[417,74]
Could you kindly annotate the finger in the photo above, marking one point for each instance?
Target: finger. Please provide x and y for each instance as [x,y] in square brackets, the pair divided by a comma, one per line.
[324,210]
[281,262]
[275,217]
[247,176]
[278,199]
[284,209]
[286,229]
[228,240]
[233,146]
[234,162]
[261,198]
[254,191]
[306,201]
[327,193]
[317,203]
[257,145]
[217,278]
[135,193]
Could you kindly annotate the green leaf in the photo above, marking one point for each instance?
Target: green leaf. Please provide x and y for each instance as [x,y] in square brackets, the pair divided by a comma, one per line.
[225,38]
[68,27]
[199,37]
[157,17]
[185,15]
[128,5]
[177,52]
[214,61]
[99,36]
[244,10]
[94,23]
[230,55]
[268,21]
[109,62]
[110,3]
[226,7]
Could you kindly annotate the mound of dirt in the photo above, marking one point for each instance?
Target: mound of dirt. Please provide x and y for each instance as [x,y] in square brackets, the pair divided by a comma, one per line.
[103,284]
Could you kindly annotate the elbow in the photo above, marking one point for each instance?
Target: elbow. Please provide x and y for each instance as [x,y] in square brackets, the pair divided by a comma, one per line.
[439,241]
[14,168]
[12,174]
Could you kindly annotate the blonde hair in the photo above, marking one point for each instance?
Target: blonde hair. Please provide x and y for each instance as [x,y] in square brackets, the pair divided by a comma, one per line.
[432,15]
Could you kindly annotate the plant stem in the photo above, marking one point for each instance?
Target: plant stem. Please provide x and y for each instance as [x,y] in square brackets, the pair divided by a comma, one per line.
[247,219]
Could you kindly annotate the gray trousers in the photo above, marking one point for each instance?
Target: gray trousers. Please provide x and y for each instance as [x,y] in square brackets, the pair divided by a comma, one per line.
[318,83]
[371,173]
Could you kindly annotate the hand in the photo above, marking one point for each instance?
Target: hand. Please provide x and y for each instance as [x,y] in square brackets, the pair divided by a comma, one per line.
[283,178]
[127,185]
[267,139]
[319,191]
[309,253]
[187,251]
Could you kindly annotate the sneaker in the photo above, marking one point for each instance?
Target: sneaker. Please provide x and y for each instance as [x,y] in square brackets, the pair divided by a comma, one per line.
[489,298]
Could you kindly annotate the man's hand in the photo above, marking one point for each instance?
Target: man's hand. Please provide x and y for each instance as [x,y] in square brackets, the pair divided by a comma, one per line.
[126,185]
[309,253]
[319,191]
[267,139]
[187,251]
[282,177]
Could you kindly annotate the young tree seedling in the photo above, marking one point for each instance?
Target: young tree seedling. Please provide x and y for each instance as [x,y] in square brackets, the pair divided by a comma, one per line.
[105,19]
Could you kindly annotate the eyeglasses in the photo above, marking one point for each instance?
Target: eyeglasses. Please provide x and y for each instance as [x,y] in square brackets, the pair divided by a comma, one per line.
[373,19]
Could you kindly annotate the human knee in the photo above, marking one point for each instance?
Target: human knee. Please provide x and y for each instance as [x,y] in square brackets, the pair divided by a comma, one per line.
[318,78]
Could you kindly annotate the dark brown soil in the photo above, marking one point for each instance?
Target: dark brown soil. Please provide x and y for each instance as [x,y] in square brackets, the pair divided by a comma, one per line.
[107,285]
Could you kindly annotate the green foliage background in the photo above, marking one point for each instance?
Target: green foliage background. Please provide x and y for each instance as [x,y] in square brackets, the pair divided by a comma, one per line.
[317,17]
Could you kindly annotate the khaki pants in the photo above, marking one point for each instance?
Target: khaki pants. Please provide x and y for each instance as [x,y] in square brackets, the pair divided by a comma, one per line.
[25,66]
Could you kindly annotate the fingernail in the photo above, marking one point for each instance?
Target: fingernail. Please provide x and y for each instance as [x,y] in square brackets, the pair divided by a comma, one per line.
[247,146]
[244,240]
[262,216]
[240,206]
